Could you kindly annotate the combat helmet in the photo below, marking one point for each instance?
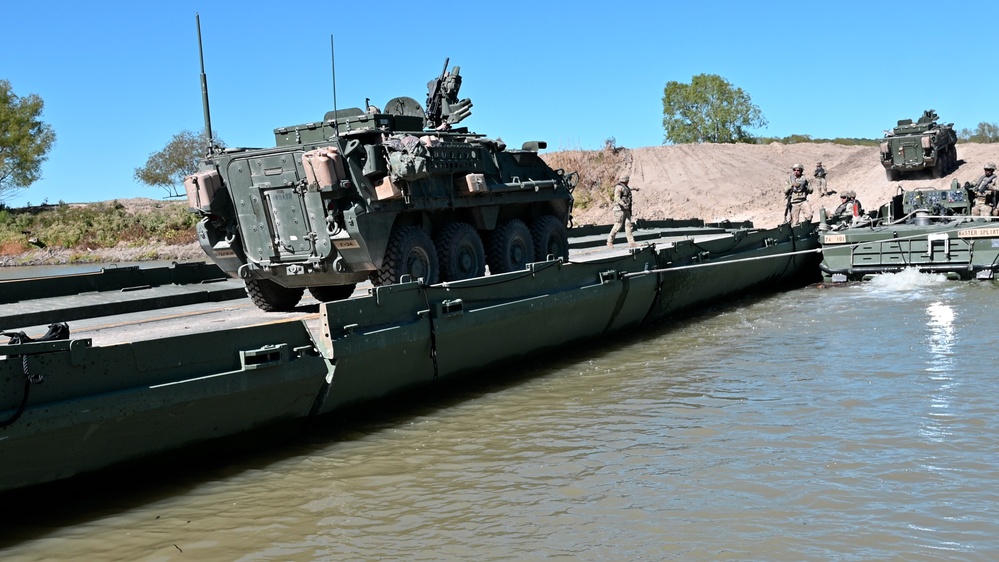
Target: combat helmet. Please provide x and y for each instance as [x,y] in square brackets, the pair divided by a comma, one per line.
[798,167]
[991,166]
[624,179]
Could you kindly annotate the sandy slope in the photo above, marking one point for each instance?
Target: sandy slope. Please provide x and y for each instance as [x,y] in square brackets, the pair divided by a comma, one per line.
[745,182]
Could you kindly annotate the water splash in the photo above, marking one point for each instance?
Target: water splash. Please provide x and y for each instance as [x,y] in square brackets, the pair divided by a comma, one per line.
[908,282]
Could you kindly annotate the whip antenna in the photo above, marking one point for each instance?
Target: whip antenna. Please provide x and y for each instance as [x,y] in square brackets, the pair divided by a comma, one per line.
[204,88]
[336,129]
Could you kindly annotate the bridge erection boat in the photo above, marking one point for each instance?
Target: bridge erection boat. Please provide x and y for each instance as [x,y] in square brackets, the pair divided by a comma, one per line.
[928,229]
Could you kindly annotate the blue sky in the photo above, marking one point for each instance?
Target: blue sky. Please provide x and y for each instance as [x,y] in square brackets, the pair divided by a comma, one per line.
[119,79]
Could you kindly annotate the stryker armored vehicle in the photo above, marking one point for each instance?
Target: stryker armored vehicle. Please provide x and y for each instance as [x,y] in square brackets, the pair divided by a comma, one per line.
[377,194]
[923,145]
[929,229]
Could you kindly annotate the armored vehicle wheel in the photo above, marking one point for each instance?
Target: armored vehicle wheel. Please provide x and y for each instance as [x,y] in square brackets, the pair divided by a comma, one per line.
[460,251]
[951,159]
[550,238]
[330,293]
[271,297]
[938,170]
[510,247]
[892,175]
[410,252]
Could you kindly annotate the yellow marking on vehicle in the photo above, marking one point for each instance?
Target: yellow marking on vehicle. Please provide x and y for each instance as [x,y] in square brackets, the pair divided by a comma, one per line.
[348,244]
[978,232]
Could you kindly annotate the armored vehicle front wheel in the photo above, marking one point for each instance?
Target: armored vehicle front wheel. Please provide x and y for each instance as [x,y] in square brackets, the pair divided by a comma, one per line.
[461,253]
[891,175]
[938,170]
[949,160]
[330,293]
[550,238]
[510,247]
[410,252]
[271,297]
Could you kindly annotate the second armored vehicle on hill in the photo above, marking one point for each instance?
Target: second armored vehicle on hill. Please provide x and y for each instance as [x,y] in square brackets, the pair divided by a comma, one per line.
[923,145]
[378,194]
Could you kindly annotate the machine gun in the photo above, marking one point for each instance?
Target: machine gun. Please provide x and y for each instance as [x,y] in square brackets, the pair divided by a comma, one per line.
[443,107]
[435,97]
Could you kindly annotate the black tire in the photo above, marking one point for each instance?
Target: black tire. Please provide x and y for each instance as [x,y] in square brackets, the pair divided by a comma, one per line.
[460,252]
[410,252]
[271,297]
[550,238]
[938,170]
[330,293]
[891,175]
[510,247]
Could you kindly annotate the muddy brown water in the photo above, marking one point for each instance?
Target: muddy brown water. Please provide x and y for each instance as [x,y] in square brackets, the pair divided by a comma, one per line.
[847,423]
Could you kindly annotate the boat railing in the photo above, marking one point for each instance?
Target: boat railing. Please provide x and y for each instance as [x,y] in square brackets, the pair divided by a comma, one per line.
[926,216]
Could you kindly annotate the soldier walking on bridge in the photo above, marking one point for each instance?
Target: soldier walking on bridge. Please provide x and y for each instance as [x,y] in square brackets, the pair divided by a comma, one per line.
[796,193]
[622,211]
[985,184]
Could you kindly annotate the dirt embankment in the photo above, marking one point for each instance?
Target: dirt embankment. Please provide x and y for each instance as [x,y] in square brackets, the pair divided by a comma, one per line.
[707,181]
[745,182]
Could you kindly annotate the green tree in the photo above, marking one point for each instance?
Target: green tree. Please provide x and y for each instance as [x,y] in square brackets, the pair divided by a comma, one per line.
[709,109]
[985,133]
[168,167]
[24,140]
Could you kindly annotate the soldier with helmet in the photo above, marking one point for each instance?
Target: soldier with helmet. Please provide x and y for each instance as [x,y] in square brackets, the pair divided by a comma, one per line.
[622,211]
[820,179]
[985,184]
[796,192]
[849,208]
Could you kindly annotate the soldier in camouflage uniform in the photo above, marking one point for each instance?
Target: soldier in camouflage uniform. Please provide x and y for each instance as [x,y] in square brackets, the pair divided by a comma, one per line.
[985,188]
[820,179]
[849,208]
[844,205]
[796,192]
[622,211]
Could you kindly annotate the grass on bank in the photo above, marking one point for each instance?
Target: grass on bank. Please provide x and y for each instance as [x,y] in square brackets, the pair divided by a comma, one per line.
[92,226]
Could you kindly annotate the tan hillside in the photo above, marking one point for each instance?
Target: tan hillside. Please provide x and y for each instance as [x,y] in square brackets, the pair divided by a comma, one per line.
[739,181]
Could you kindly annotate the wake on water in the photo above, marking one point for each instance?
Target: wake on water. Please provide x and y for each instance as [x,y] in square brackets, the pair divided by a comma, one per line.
[909,278]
